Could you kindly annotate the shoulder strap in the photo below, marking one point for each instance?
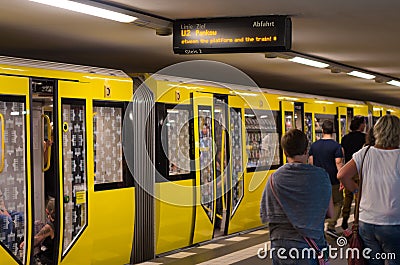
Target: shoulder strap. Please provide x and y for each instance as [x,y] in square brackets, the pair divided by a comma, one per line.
[358,197]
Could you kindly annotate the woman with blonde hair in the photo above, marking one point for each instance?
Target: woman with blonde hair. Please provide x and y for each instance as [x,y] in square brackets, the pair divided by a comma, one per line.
[379,224]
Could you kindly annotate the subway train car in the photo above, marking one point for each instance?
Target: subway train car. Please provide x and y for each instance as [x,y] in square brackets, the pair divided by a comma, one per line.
[135,175]
[78,111]
[242,126]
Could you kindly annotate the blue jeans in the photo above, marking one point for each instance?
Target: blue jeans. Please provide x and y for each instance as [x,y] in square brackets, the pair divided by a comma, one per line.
[381,239]
[289,246]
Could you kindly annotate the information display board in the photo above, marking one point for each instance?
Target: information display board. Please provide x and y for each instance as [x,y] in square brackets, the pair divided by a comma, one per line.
[232,35]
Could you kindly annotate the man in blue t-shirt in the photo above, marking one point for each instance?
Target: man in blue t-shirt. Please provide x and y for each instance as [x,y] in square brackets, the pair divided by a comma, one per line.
[328,154]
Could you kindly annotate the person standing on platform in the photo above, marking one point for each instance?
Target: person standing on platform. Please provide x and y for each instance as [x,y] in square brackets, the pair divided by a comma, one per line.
[328,154]
[351,143]
[379,222]
[295,202]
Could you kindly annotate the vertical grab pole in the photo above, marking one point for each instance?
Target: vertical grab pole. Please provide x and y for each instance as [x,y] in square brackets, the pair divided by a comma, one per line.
[48,148]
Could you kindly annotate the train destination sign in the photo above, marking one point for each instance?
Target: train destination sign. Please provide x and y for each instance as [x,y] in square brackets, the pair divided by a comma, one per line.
[232,35]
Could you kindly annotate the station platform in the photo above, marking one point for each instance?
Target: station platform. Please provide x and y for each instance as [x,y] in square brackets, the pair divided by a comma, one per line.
[237,249]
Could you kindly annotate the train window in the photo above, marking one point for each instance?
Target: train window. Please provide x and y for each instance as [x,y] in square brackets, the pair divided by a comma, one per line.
[110,169]
[308,127]
[319,119]
[298,116]
[237,157]
[177,126]
[74,169]
[288,120]
[12,174]
[262,140]
[343,125]
[206,160]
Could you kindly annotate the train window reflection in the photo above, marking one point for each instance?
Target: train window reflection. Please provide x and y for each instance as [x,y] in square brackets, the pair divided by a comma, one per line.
[177,122]
[12,175]
[107,142]
[262,140]
[74,170]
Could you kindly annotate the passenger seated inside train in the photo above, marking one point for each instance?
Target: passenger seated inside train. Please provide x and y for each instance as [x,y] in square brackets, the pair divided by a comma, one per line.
[45,237]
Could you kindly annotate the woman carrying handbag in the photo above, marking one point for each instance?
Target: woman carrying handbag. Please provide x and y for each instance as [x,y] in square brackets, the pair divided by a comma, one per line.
[379,207]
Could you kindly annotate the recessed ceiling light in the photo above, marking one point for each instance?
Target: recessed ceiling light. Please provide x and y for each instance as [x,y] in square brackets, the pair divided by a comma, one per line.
[394,83]
[89,10]
[361,75]
[308,62]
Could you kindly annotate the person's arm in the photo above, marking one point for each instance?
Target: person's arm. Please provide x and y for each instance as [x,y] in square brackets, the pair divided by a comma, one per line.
[345,175]
[339,160]
[46,145]
[331,209]
[310,160]
[42,234]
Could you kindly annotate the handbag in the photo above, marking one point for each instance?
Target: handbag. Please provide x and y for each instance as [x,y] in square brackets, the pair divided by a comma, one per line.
[355,241]
[323,258]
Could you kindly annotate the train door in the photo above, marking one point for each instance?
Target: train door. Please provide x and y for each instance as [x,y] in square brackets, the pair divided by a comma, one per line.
[15,192]
[44,156]
[203,113]
[299,119]
[73,176]
[287,112]
[343,121]
[221,164]
[236,182]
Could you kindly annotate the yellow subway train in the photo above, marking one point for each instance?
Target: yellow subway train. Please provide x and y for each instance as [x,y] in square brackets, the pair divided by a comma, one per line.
[134,175]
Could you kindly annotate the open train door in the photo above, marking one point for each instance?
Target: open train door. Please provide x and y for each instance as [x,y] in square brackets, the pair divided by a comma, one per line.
[343,122]
[288,120]
[205,188]
[15,183]
[236,165]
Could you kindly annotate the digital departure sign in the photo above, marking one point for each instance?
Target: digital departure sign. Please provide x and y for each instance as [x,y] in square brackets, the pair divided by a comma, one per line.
[232,35]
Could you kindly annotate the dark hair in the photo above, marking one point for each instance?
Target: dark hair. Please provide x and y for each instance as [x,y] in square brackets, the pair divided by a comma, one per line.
[327,127]
[294,142]
[356,122]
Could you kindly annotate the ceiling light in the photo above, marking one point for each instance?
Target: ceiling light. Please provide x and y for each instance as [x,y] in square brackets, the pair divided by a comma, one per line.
[394,83]
[89,10]
[361,75]
[308,62]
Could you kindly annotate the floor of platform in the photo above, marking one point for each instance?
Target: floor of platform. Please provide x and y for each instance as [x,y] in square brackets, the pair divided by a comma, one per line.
[236,249]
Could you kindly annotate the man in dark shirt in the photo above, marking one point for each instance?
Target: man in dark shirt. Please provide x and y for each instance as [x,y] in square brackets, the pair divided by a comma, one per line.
[351,143]
[327,154]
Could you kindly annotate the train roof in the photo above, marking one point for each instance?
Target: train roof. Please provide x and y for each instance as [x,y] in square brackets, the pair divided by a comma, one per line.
[61,66]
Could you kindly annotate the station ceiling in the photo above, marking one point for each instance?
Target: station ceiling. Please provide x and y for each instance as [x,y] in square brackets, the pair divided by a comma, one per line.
[358,33]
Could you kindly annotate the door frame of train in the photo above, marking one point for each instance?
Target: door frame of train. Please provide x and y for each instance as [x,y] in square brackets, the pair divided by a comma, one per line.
[341,114]
[204,223]
[16,86]
[224,180]
[286,106]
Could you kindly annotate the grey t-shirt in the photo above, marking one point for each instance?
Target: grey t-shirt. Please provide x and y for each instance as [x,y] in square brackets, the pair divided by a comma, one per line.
[304,192]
